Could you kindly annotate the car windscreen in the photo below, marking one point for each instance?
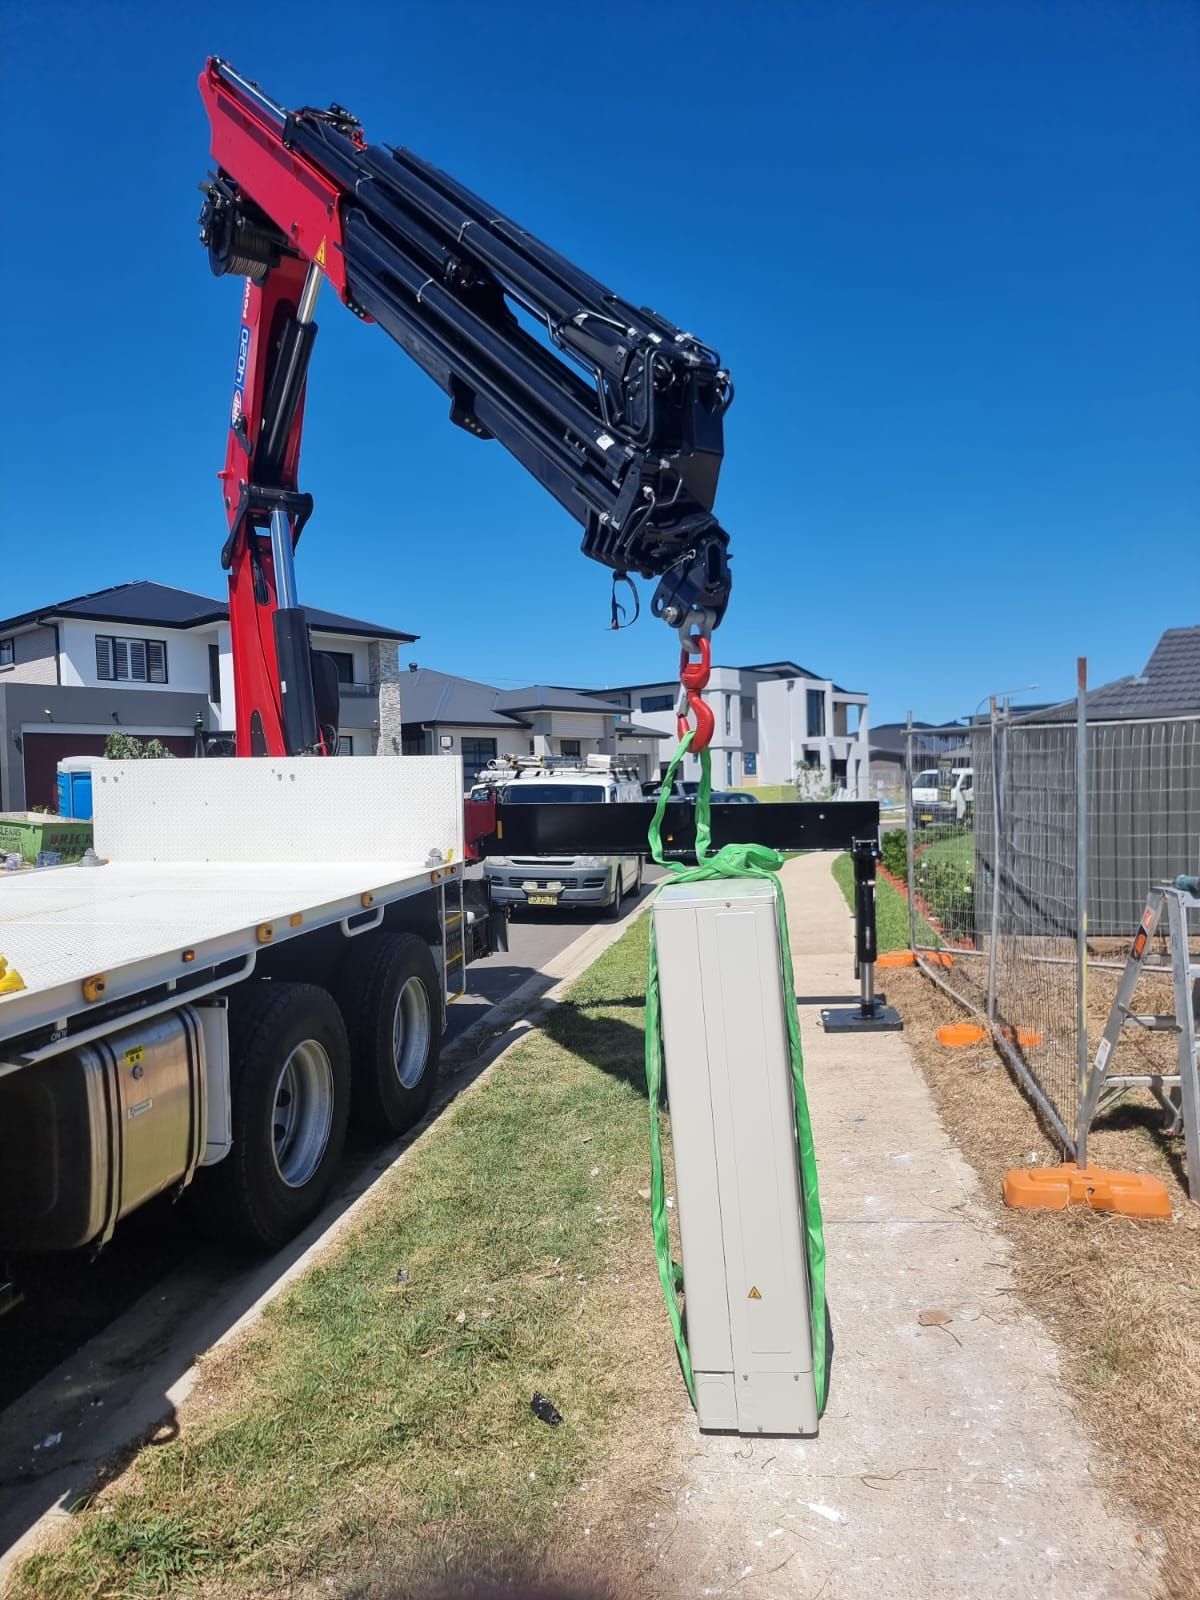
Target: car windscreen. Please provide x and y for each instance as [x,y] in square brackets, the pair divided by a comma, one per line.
[554,794]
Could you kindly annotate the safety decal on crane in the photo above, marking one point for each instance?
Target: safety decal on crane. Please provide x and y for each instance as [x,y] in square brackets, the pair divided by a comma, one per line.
[319,258]
[754,1294]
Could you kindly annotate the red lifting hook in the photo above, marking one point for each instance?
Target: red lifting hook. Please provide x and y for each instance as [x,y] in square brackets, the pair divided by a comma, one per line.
[693,676]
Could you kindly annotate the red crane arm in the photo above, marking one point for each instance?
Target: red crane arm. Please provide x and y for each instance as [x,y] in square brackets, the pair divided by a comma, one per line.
[271,201]
[615,410]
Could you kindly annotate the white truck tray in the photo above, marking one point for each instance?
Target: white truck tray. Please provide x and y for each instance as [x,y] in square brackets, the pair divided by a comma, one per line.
[200,855]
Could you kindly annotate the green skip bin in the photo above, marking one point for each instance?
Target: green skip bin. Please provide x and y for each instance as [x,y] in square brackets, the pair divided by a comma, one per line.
[26,833]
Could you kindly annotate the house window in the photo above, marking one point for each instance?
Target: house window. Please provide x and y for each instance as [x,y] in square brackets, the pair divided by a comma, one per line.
[8,654]
[476,754]
[345,744]
[130,660]
[214,674]
[570,747]
[343,660]
[728,715]
[816,713]
[412,744]
[657,702]
[729,768]
[749,709]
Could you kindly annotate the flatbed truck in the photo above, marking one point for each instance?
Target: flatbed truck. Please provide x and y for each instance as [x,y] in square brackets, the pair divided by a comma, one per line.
[259,952]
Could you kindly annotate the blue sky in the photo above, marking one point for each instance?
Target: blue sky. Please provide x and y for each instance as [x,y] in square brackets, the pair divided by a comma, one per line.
[948,251]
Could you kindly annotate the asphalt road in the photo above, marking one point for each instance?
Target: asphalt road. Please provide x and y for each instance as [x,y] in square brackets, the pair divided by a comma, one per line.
[71,1299]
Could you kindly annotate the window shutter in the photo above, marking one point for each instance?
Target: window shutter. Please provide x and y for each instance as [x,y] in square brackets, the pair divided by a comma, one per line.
[137,659]
[104,657]
[156,660]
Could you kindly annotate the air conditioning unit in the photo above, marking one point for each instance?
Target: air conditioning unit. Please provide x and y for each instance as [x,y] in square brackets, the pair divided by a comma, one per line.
[733,1129]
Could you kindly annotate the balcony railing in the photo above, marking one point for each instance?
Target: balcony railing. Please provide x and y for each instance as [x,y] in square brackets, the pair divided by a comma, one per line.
[357,691]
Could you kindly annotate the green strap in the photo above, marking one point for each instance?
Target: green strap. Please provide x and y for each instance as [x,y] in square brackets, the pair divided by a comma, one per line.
[731,861]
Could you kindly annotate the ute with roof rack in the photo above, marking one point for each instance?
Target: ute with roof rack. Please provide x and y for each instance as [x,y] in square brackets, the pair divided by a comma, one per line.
[597,879]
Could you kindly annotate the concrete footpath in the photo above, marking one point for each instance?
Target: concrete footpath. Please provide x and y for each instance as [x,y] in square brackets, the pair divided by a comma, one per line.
[948,1462]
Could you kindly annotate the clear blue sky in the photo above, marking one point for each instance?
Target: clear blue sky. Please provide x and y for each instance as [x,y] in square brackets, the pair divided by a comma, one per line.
[949,252]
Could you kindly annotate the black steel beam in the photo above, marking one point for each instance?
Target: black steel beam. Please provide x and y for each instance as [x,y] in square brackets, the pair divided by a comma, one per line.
[622,830]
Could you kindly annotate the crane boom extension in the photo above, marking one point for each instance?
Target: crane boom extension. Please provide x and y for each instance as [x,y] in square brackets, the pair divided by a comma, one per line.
[613,409]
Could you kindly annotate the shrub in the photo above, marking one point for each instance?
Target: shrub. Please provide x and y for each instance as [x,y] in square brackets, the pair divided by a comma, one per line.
[125,747]
[894,845]
[948,887]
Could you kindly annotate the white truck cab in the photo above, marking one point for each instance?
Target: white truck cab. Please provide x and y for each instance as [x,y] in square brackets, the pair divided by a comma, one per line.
[588,880]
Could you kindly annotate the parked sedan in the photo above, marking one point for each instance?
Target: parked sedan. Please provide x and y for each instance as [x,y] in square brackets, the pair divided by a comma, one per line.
[652,788]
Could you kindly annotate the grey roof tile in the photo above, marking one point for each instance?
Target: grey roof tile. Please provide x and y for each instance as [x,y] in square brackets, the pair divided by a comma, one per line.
[546,697]
[159,605]
[1169,685]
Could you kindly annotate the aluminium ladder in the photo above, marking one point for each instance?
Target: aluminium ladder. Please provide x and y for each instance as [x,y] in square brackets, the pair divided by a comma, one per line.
[1178,1093]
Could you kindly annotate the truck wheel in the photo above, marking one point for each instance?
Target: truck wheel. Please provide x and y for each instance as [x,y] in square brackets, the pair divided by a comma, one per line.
[290,1080]
[392,1002]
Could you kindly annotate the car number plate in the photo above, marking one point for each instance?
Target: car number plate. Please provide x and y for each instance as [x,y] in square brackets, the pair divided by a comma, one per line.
[542,899]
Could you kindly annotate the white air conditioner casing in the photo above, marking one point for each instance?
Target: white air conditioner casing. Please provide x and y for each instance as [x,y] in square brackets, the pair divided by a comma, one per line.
[733,1129]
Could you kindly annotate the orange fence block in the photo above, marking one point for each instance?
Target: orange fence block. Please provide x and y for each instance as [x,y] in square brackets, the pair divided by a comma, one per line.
[958,1035]
[1131,1194]
[897,958]
[1027,1038]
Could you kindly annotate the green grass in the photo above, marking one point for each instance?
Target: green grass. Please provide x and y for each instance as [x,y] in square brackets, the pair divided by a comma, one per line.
[891,908]
[769,793]
[367,1424]
[956,849]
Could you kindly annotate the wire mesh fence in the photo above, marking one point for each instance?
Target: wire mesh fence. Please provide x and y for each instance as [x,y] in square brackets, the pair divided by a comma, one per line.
[998,890]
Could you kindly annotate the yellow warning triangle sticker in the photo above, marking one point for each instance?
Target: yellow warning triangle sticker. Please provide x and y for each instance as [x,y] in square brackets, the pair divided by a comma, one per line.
[320,255]
[754,1294]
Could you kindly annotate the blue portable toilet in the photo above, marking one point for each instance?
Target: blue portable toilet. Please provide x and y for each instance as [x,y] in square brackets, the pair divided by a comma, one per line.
[75,787]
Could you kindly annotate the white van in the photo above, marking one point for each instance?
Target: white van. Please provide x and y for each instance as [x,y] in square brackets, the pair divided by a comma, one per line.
[943,795]
[597,880]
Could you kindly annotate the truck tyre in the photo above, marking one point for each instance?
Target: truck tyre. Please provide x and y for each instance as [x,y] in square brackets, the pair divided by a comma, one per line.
[392,1002]
[290,1081]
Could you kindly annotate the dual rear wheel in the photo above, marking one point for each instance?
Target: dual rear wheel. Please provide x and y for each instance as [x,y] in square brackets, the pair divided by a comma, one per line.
[302,1063]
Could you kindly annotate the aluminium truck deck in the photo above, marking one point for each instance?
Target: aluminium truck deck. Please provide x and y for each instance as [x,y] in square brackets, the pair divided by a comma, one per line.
[207,861]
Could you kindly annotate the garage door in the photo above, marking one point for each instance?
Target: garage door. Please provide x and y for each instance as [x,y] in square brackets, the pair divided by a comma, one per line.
[43,752]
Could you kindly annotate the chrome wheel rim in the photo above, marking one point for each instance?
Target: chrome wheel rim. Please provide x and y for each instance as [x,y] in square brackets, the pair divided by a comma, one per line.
[303,1113]
[411,1033]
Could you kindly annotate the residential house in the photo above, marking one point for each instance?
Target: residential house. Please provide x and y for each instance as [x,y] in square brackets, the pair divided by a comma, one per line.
[154,660]
[772,719]
[452,715]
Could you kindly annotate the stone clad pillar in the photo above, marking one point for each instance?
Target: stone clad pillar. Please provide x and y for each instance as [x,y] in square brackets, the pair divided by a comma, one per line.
[383,660]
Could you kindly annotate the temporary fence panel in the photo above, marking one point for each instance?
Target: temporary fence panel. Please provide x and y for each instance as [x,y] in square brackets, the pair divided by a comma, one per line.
[1144,807]
[993,877]
[949,859]
[1033,1005]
